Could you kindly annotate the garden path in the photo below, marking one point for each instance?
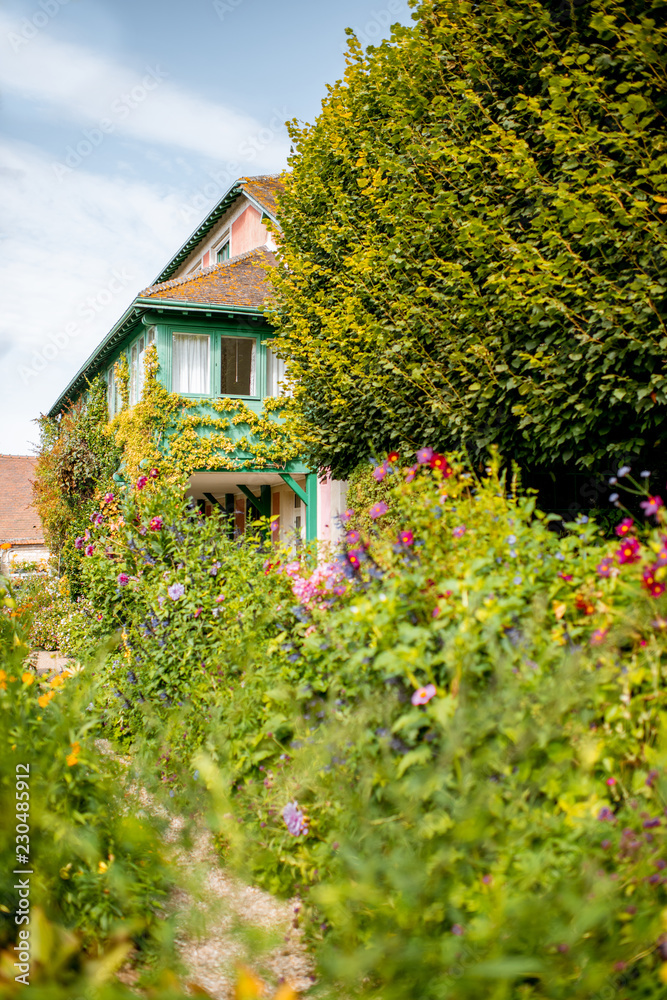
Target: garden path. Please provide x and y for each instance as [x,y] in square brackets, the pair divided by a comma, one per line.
[230,913]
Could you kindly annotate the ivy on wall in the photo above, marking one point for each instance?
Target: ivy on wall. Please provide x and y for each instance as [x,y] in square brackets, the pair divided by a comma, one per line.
[474,245]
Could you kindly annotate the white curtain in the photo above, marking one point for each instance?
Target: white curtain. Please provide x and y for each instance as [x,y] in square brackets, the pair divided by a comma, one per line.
[190,366]
[253,366]
[275,374]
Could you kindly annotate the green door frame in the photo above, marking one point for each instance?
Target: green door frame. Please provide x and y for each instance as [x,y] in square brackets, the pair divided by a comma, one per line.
[307,496]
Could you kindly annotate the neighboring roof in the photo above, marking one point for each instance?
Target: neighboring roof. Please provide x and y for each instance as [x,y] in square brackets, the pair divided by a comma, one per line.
[262,190]
[19,521]
[240,281]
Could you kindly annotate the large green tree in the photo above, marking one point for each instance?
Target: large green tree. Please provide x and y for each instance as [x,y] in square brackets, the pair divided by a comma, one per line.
[475,235]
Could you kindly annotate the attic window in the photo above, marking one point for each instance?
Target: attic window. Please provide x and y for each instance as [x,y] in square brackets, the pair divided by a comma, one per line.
[223,252]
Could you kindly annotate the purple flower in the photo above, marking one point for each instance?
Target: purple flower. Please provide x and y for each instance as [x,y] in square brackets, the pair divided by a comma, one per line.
[352,537]
[458,930]
[78,543]
[459,532]
[214,569]
[411,473]
[347,516]
[651,506]
[406,537]
[424,694]
[155,523]
[108,497]
[606,814]
[424,456]
[378,509]
[175,591]
[295,820]
[603,568]
[123,579]
[380,472]
[651,778]
[99,518]
[89,550]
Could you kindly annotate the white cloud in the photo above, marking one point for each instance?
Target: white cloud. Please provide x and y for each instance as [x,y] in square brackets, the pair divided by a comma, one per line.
[86,87]
[74,253]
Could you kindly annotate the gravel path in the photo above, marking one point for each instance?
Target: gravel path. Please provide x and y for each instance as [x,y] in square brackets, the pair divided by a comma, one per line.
[230,913]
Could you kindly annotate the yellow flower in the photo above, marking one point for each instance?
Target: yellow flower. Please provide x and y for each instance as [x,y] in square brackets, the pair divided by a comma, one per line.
[102,867]
[56,681]
[71,759]
[28,679]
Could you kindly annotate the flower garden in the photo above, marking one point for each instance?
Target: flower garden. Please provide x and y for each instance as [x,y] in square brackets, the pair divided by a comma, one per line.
[444,740]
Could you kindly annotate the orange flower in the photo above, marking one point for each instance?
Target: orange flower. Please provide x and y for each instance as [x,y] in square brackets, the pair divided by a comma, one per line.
[56,681]
[73,757]
[44,699]
[28,679]
[6,545]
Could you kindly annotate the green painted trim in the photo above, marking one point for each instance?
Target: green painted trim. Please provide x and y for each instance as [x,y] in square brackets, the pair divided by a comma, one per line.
[235,191]
[260,502]
[311,506]
[158,304]
[294,486]
[216,503]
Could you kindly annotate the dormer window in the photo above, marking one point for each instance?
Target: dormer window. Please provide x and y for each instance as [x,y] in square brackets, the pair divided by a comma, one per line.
[223,252]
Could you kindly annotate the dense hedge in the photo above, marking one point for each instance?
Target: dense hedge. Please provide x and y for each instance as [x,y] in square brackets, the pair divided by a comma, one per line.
[474,238]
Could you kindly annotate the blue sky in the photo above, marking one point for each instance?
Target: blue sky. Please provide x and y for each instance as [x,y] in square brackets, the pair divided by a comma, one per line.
[121,123]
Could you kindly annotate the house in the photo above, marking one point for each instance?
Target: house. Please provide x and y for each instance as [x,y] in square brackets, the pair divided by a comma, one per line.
[204,314]
[21,534]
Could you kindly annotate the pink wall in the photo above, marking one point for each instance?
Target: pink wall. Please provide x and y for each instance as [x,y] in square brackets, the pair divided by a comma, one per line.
[248,231]
[324,532]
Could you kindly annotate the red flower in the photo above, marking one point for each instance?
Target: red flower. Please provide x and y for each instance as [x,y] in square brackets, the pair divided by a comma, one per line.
[625,527]
[656,588]
[440,462]
[629,551]
[584,604]
[392,456]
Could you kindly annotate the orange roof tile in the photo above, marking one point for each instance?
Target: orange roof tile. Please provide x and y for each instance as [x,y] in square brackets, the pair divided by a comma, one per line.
[264,189]
[19,521]
[240,281]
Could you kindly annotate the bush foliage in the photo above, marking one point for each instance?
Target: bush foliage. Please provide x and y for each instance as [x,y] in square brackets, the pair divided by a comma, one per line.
[473,245]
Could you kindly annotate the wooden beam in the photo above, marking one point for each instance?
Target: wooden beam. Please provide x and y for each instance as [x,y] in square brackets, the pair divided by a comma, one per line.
[259,503]
[294,486]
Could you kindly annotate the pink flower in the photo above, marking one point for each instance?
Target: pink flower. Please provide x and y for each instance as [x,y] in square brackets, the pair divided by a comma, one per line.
[598,637]
[629,551]
[565,576]
[275,526]
[354,557]
[89,549]
[378,509]
[347,516]
[123,579]
[611,782]
[154,473]
[424,694]
[651,506]
[219,598]
[411,473]
[603,568]
[424,456]
[141,482]
[459,532]
[155,523]
[406,537]
[625,527]
[198,611]
[352,537]
[380,473]
[78,543]
[108,497]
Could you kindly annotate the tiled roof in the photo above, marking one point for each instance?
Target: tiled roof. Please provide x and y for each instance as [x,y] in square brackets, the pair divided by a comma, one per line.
[241,281]
[19,521]
[264,189]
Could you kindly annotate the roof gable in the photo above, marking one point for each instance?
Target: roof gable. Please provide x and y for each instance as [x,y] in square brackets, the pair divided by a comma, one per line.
[262,191]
